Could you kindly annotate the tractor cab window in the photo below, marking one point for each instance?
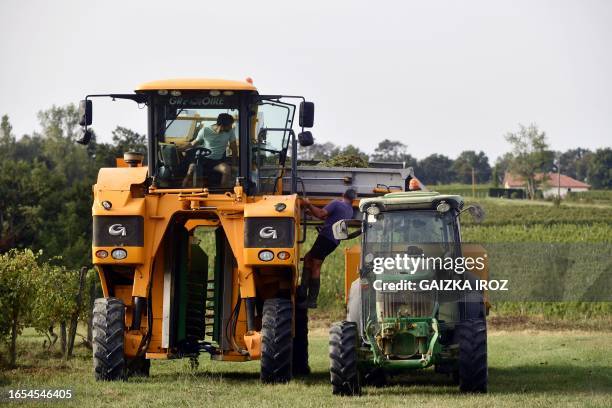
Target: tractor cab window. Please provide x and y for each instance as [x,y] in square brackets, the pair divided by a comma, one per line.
[271,123]
[419,232]
[197,145]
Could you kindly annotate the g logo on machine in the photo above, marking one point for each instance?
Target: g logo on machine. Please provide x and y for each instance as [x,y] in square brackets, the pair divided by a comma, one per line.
[267,232]
[117,229]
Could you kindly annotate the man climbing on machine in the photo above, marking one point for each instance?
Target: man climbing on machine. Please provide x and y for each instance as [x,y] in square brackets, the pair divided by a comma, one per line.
[325,244]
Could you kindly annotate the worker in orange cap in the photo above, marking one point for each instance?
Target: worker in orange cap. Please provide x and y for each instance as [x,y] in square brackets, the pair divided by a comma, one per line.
[414,185]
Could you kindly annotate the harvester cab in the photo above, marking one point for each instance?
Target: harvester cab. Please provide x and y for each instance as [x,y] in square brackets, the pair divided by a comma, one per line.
[414,294]
[198,248]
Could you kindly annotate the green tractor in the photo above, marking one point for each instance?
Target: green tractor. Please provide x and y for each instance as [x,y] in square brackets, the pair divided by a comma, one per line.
[415,295]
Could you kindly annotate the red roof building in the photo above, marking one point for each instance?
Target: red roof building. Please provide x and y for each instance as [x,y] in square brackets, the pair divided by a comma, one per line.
[551,185]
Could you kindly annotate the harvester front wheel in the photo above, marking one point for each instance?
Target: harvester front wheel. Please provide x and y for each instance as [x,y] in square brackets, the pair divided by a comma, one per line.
[343,338]
[108,328]
[276,341]
[473,369]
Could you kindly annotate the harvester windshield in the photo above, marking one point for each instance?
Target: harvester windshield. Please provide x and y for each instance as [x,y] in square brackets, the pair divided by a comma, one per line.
[200,140]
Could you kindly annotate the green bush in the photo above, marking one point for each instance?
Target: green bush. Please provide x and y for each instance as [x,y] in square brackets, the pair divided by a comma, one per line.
[18,274]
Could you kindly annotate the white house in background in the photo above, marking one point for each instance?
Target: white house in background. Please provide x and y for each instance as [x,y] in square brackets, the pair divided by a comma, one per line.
[551,185]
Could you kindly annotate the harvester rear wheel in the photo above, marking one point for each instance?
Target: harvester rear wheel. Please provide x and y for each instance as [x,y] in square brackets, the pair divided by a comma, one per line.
[300,342]
[138,367]
[108,328]
[276,341]
[343,338]
[473,369]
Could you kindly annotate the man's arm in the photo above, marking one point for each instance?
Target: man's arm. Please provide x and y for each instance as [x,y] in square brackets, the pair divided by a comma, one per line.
[320,213]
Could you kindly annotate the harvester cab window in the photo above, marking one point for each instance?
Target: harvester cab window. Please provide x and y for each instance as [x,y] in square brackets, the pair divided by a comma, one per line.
[197,146]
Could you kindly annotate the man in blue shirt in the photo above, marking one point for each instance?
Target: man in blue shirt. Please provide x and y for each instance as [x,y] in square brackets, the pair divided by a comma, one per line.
[217,138]
[340,209]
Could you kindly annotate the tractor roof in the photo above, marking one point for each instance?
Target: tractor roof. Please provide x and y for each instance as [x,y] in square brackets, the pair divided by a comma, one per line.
[412,200]
[196,84]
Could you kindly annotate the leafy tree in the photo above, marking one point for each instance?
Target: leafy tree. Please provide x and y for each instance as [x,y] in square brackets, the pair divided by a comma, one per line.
[468,160]
[530,155]
[600,168]
[434,169]
[394,151]
[575,163]
[390,150]
[351,150]
[7,139]
[126,140]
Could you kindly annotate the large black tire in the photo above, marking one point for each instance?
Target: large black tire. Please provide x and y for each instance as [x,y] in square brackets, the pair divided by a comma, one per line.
[108,329]
[300,343]
[473,370]
[343,342]
[138,367]
[276,341]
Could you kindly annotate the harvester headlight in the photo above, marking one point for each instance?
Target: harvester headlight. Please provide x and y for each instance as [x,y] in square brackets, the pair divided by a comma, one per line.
[163,92]
[280,207]
[119,253]
[107,205]
[266,255]
[102,254]
[215,93]
[175,93]
[373,210]
[283,255]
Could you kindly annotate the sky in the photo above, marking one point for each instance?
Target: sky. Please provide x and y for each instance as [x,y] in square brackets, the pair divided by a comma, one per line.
[439,76]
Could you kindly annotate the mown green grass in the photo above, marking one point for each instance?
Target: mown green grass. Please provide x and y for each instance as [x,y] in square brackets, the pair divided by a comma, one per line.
[526,369]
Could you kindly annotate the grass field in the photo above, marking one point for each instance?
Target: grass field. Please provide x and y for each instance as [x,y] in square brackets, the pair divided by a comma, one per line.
[526,369]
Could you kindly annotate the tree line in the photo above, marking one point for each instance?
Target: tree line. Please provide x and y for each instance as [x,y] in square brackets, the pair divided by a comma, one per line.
[529,153]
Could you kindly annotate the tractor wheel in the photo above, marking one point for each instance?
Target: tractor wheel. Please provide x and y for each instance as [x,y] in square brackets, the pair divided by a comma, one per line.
[108,328]
[375,377]
[343,338]
[276,341]
[138,367]
[300,342]
[473,370]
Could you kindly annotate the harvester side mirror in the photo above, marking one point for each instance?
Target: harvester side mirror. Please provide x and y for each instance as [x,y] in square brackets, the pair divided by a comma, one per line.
[306,114]
[476,211]
[305,139]
[340,230]
[85,112]
[85,138]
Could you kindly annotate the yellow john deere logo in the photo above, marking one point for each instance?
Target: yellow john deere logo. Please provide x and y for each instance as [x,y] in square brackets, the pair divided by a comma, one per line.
[267,232]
